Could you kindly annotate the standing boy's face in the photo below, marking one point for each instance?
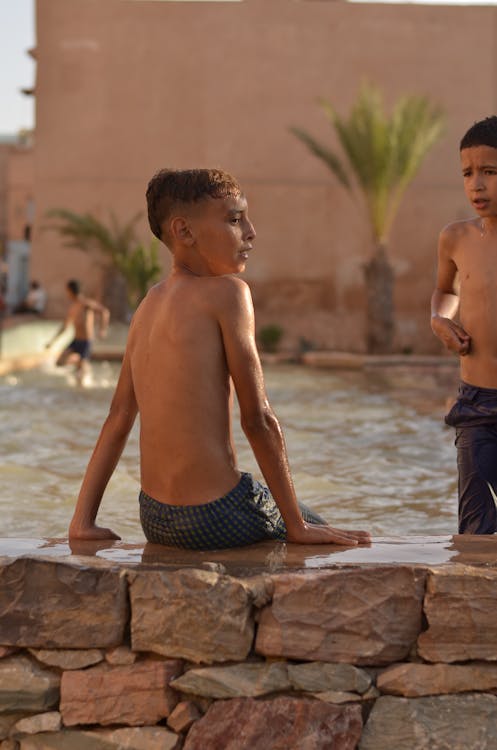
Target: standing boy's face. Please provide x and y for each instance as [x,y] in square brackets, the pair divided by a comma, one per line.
[223,235]
[479,169]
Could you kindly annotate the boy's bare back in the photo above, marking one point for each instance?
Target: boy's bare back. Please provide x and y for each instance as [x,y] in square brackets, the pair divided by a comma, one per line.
[182,388]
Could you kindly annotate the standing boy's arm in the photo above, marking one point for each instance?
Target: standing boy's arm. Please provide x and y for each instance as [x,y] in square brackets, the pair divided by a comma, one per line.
[260,423]
[445,299]
[106,454]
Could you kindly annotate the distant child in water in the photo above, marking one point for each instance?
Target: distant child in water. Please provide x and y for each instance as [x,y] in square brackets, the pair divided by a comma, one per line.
[467,286]
[190,343]
[81,316]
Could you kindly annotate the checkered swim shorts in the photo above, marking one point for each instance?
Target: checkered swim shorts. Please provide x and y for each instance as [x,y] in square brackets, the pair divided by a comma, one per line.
[245,515]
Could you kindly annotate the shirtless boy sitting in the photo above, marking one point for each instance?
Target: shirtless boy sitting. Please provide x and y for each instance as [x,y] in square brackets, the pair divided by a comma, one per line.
[467,284]
[81,315]
[190,341]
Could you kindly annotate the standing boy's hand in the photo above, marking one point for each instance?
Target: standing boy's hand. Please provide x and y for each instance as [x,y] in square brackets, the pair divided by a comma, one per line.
[451,334]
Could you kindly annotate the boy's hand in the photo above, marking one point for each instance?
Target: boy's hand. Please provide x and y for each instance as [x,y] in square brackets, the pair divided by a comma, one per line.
[310,533]
[451,334]
[87,533]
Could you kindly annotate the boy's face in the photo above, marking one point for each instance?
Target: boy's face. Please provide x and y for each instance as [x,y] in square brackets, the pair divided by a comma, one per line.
[223,235]
[479,169]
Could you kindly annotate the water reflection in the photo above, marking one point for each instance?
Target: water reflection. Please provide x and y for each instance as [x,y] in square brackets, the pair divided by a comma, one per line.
[367,449]
[267,557]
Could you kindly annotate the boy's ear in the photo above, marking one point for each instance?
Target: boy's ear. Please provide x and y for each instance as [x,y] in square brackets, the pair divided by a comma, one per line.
[180,230]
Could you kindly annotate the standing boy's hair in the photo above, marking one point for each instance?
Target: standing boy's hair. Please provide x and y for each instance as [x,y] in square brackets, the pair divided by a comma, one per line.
[74,286]
[482,133]
[170,189]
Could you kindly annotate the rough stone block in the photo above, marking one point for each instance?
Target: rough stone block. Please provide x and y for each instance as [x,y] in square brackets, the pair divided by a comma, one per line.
[182,716]
[321,677]
[120,656]
[143,738]
[68,658]
[237,680]
[49,604]
[461,610]
[414,680]
[25,686]
[359,615]
[444,722]
[7,721]
[47,722]
[281,723]
[193,614]
[135,695]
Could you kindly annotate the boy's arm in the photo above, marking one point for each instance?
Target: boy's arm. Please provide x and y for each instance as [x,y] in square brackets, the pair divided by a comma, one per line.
[445,299]
[106,454]
[260,423]
[104,314]
[67,322]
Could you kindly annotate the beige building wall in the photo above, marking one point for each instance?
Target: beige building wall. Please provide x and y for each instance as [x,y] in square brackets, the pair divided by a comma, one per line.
[125,87]
[20,204]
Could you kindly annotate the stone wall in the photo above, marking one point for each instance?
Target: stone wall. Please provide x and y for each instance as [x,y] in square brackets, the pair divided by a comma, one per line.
[97,655]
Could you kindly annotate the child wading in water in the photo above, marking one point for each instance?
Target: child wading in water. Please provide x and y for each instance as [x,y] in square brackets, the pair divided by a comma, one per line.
[467,284]
[191,340]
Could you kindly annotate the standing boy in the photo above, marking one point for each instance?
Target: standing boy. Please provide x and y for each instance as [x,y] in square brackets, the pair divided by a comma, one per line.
[81,315]
[191,340]
[467,286]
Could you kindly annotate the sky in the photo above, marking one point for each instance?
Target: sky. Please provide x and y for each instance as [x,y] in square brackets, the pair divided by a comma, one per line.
[17,69]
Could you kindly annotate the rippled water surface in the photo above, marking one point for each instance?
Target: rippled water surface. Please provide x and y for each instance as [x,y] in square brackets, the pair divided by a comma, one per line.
[367,449]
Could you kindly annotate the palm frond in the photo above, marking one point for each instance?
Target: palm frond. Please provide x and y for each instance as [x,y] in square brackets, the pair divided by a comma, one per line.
[138,264]
[383,152]
[325,154]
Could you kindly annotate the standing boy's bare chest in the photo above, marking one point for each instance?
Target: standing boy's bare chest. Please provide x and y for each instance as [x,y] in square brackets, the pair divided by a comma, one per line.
[477,269]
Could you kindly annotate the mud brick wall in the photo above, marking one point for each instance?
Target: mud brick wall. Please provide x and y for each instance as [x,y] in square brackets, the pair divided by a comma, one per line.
[96,656]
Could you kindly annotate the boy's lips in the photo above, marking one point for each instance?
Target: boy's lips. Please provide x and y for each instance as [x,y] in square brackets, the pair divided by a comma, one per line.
[480,203]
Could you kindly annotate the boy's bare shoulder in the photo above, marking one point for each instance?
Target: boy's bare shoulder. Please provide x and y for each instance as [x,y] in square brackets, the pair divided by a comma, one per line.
[458,230]
[224,291]
[456,235]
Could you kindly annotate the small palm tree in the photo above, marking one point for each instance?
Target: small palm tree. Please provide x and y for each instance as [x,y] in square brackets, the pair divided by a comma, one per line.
[383,154]
[136,263]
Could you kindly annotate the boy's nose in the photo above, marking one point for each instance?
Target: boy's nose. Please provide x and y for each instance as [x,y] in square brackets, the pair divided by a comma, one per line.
[250,231]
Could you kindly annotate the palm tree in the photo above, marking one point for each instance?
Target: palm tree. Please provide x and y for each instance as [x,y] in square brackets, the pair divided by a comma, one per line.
[137,264]
[383,154]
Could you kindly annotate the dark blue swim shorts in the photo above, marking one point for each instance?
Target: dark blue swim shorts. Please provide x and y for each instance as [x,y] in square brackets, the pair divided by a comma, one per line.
[81,347]
[245,515]
[474,415]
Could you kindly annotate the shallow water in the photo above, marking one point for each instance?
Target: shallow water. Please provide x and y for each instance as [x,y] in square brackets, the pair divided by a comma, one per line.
[367,449]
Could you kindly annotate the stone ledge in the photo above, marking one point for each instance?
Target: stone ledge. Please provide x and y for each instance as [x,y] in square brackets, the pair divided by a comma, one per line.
[301,639]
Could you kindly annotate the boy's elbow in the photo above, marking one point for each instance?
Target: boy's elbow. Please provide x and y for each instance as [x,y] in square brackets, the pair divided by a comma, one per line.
[120,421]
[259,422]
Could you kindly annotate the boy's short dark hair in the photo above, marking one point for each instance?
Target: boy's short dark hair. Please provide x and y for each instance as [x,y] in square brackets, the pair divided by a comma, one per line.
[482,133]
[171,188]
[74,286]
